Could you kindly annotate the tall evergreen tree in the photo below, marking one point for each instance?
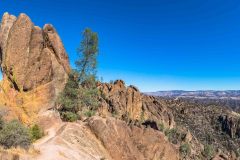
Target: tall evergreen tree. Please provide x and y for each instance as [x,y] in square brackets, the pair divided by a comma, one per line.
[80,92]
[88,51]
[87,69]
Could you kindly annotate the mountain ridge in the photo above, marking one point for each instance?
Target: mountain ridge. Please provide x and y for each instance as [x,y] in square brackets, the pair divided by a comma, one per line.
[212,94]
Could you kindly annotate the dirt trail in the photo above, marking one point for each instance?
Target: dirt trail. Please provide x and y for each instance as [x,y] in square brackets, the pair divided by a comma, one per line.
[70,141]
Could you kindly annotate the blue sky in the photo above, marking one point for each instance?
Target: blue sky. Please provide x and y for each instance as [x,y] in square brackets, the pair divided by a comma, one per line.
[153,44]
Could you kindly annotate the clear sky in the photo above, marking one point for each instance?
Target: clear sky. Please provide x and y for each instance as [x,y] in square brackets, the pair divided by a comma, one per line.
[153,44]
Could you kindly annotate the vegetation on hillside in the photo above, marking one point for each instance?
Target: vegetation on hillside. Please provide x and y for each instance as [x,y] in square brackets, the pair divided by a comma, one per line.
[36,133]
[214,126]
[15,134]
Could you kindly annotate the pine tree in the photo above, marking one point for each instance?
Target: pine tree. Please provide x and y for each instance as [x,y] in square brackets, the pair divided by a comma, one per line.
[68,101]
[88,51]
[80,92]
[87,69]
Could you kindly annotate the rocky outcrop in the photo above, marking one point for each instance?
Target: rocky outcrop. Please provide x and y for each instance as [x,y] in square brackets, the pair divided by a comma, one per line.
[129,104]
[230,125]
[119,99]
[31,56]
[125,142]
[6,25]
[34,64]
[101,138]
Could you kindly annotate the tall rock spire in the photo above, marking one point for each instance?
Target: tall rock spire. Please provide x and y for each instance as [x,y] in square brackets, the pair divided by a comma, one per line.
[32,56]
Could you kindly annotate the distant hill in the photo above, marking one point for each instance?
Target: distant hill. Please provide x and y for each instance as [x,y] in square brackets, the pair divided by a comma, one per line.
[201,94]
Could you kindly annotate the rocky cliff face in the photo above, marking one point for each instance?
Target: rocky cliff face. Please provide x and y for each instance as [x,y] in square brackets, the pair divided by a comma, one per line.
[124,142]
[129,104]
[31,56]
[34,64]
[230,125]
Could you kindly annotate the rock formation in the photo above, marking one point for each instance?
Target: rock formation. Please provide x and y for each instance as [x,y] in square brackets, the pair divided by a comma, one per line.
[34,64]
[125,142]
[102,138]
[31,56]
[230,125]
[128,103]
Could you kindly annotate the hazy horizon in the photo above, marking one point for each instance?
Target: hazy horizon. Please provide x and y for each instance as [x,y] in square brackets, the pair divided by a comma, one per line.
[193,90]
[154,45]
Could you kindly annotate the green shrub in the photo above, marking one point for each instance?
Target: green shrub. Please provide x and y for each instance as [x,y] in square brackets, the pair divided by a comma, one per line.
[172,135]
[208,151]
[161,127]
[1,123]
[69,116]
[36,133]
[185,149]
[209,138]
[89,113]
[142,118]
[237,152]
[89,96]
[15,134]
[114,113]
[69,98]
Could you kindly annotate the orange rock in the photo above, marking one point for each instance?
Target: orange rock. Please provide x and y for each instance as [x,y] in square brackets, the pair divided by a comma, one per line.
[35,66]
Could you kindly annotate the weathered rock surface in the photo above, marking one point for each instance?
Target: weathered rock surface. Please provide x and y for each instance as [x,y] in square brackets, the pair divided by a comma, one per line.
[30,55]
[35,66]
[128,103]
[125,142]
[15,58]
[101,138]
[67,141]
[6,25]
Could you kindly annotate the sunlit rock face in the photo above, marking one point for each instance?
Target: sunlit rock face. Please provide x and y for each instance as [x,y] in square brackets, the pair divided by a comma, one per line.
[34,64]
[129,104]
[31,56]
